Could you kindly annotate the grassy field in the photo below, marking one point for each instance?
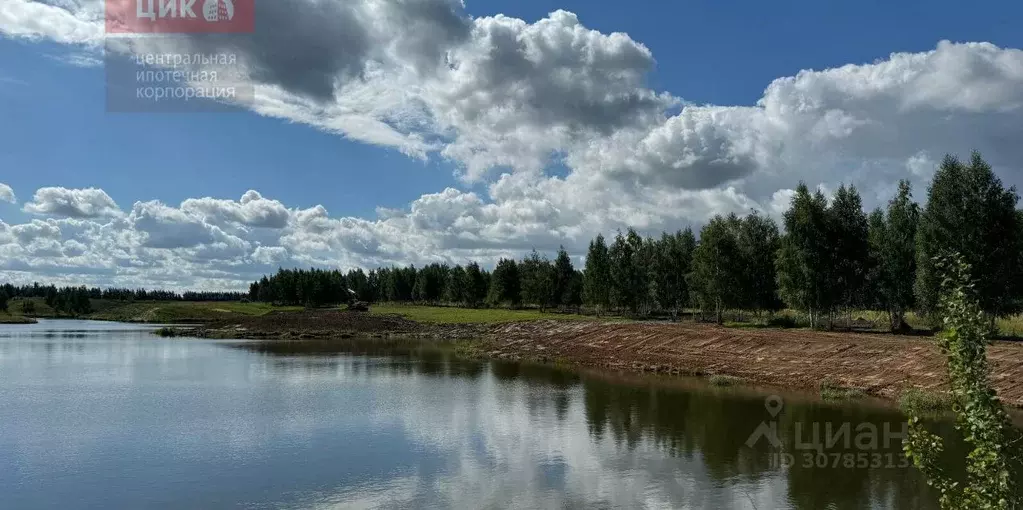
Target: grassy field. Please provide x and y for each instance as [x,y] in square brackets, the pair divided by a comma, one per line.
[450,315]
[7,318]
[144,311]
[183,311]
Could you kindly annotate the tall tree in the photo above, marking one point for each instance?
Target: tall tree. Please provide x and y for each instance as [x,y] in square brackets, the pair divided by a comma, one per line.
[538,280]
[476,285]
[597,275]
[673,262]
[429,283]
[3,300]
[804,263]
[505,284]
[849,246]
[455,290]
[644,255]
[969,212]
[564,272]
[574,293]
[892,240]
[758,241]
[716,266]
[624,292]
[373,287]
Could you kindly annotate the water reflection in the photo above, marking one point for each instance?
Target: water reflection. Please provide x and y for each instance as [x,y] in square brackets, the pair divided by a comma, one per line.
[125,419]
[705,427]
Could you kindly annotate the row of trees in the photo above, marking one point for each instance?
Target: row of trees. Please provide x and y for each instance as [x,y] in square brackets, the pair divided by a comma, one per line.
[69,300]
[119,294]
[833,256]
[534,280]
[314,287]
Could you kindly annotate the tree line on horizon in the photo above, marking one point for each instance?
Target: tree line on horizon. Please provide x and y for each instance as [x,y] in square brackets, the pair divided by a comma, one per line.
[828,257]
[77,300]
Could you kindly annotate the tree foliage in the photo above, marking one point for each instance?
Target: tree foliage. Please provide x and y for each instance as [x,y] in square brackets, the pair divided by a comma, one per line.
[969,212]
[717,266]
[597,275]
[538,280]
[475,285]
[847,231]
[980,416]
[823,258]
[505,284]
[892,241]
[455,290]
[564,273]
[672,264]
[758,241]
[629,286]
[313,287]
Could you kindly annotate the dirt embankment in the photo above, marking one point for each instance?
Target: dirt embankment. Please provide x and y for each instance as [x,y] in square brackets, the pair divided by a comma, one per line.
[325,324]
[881,365]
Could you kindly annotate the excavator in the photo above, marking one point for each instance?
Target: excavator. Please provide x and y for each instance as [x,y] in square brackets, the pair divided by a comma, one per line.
[354,305]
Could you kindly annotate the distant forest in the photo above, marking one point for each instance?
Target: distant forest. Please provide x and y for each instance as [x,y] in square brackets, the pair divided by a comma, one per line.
[75,300]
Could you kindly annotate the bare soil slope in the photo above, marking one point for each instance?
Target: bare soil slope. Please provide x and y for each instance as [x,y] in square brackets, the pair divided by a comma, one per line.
[881,365]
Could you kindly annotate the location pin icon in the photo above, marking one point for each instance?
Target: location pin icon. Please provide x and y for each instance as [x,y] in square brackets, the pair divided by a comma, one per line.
[773,405]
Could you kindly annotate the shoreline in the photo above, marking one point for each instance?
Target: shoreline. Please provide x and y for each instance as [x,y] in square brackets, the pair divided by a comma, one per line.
[876,365]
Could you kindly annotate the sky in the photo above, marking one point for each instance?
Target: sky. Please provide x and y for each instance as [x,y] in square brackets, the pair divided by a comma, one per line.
[380,132]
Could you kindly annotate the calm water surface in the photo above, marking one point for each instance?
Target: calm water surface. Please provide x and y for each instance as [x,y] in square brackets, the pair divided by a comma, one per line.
[101,415]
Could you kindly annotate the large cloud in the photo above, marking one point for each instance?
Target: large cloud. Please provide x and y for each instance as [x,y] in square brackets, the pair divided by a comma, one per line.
[252,210]
[506,101]
[73,203]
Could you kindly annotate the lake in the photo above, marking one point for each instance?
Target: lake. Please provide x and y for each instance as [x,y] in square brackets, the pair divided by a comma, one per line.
[105,415]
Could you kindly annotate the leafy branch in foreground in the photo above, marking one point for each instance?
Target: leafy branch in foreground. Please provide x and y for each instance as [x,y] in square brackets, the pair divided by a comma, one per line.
[980,416]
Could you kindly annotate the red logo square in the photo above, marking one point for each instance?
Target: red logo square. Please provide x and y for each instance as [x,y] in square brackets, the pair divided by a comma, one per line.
[180,16]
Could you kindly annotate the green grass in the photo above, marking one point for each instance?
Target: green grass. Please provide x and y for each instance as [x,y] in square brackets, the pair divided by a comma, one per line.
[8,318]
[833,391]
[915,401]
[451,315]
[1011,326]
[15,306]
[183,311]
[723,381]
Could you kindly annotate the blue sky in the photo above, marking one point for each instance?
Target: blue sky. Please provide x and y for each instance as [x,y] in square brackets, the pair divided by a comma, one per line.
[55,132]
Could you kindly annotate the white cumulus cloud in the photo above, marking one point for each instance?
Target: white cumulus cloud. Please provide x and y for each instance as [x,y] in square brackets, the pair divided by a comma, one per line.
[7,194]
[73,203]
